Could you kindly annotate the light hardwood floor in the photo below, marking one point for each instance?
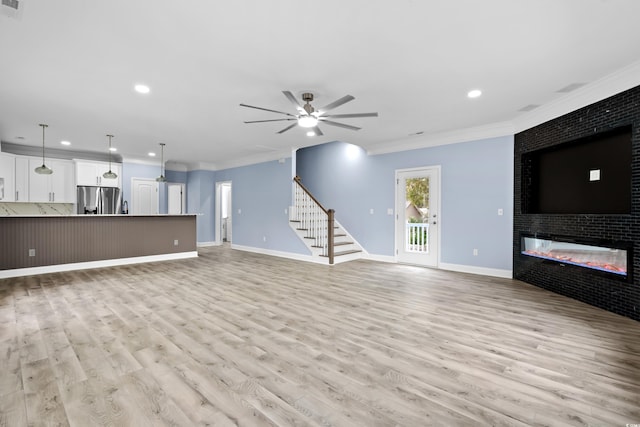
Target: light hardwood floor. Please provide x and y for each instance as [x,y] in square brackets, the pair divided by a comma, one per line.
[234,338]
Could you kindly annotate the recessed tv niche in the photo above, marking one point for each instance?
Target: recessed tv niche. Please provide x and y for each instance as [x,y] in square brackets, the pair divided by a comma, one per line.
[590,175]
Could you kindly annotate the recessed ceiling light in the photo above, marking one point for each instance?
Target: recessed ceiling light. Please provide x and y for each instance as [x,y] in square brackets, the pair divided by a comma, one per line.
[311,133]
[474,93]
[113,149]
[140,88]
[152,154]
[65,143]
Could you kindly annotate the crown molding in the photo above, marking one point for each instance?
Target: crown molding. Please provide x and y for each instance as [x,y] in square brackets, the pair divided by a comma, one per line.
[612,84]
[243,161]
[491,130]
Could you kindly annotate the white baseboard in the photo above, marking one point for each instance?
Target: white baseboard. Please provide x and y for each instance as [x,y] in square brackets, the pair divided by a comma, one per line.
[483,271]
[19,272]
[204,244]
[379,258]
[289,255]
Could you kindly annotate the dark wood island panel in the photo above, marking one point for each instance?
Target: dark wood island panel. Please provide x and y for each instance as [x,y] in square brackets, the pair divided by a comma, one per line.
[56,240]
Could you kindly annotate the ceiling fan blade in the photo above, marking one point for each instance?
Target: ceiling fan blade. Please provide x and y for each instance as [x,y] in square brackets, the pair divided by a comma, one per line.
[266,109]
[340,125]
[337,103]
[349,116]
[272,120]
[317,131]
[293,100]
[288,127]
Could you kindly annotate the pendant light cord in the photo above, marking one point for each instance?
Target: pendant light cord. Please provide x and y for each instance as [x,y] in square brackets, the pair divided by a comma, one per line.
[43,127]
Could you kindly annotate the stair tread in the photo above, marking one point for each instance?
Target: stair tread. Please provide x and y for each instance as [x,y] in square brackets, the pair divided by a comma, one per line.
[342,243]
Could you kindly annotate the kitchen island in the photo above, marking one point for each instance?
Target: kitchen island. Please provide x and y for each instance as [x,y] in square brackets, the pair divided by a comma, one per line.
[50,243]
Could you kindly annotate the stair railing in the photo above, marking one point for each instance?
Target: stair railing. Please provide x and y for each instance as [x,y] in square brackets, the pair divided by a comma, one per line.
[313,217]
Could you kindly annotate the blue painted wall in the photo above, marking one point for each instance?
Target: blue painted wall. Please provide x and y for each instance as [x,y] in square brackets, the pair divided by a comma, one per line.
[476,180]
[200,201]
[260,194]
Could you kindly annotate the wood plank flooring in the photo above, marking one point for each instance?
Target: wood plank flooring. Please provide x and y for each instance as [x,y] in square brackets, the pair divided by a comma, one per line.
[234,338]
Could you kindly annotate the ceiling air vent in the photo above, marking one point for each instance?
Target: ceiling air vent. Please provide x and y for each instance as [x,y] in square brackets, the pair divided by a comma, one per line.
[12,8]
[529,107]
[570,88]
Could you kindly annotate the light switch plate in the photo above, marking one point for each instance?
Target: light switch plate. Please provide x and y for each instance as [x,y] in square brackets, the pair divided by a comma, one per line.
[594,175]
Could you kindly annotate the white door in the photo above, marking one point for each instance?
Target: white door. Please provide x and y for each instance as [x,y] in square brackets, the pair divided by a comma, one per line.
[144,196]
[418,216]
[176,199]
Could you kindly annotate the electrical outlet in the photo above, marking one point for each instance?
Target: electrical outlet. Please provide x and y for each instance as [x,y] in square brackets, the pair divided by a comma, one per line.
[475,252]
[390,211]
[175,242]
[500,212]
[371,211]
[32,252]
[264,238]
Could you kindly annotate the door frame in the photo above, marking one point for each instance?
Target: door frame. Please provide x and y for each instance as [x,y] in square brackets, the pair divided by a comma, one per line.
[133,201]
[218,222]
[399,238]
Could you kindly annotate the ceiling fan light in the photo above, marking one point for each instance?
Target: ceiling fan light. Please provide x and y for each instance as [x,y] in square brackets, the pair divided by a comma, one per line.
[307,121]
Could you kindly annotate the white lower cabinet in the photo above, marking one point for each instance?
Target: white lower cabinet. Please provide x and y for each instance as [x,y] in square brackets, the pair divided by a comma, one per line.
[59,187]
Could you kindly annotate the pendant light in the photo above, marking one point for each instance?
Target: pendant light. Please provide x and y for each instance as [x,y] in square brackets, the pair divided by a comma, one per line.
[43,170]
[161,178]
[109,175]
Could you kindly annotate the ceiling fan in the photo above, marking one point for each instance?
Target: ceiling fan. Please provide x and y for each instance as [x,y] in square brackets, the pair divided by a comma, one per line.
[308,117]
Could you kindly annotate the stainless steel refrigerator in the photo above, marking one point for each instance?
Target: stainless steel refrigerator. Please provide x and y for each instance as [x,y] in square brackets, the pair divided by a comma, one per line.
[98,200]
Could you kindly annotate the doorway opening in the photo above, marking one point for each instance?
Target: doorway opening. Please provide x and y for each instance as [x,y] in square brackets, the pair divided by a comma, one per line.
[223,213]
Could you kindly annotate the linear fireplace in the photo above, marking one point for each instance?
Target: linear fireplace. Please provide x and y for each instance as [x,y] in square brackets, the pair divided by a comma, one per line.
[607,257]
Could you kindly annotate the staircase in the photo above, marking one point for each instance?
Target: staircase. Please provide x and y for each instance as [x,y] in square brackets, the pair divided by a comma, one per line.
[311,222]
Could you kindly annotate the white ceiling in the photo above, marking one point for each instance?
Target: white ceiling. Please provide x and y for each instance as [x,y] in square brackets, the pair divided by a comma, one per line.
[72,64]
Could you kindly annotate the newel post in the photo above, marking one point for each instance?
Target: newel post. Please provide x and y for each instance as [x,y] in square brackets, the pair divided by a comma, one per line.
[330,232]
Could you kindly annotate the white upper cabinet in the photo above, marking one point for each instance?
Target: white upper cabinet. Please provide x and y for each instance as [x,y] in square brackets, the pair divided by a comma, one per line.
[59,187]
[91,173]
[7,178]
[22,179]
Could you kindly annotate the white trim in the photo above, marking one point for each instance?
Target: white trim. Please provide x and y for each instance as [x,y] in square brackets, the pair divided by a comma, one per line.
[255,159]
[205,244]
[379,258]
[289,255]
[491,130]
[19,272]
[610,85]
[483,271]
